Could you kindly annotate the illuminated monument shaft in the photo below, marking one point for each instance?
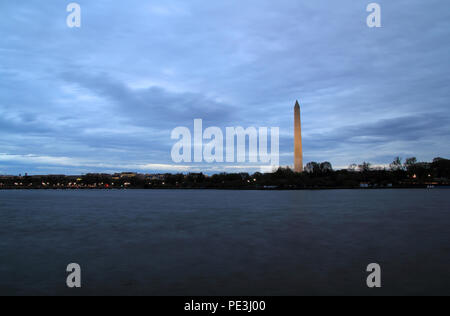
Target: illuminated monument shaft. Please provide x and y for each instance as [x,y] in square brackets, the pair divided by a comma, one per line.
[298,150]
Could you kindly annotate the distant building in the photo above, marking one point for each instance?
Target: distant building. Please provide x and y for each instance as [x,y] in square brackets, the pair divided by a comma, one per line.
[128,175]
[155,177]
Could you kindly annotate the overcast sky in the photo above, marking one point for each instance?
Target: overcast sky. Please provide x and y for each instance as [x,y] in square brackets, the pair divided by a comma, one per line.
[105,97]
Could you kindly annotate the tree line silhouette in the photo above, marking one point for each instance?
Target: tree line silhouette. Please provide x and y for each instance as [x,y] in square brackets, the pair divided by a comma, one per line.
[399,174]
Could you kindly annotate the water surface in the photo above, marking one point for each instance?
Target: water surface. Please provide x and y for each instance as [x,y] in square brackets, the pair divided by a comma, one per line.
[199,242]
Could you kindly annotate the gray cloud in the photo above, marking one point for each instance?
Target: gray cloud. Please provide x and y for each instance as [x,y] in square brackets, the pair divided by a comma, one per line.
[164,109]
[113,90]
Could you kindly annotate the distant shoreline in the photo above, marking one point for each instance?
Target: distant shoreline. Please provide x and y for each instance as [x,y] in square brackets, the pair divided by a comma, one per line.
[411,175]
[418,187]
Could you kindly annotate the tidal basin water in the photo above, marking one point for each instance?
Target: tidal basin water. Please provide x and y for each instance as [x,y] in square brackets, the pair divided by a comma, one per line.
[198,242]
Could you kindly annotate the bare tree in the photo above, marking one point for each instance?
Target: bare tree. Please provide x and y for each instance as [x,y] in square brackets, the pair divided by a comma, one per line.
[365,167]
[410,162]
[312,167]
[353,167]
[326,167]
[396,164]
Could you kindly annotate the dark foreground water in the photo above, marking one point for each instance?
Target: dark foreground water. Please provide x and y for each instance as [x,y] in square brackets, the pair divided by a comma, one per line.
[225,242]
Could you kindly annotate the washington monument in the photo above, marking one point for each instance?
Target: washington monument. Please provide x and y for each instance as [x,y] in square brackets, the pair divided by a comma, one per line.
[298,150]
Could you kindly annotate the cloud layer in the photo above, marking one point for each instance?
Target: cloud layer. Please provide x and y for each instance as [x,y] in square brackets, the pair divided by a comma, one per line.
[105,97]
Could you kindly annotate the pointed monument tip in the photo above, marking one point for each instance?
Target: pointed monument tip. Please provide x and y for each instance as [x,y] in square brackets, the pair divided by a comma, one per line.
[297,104]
